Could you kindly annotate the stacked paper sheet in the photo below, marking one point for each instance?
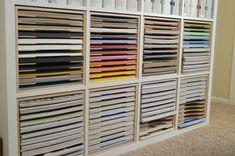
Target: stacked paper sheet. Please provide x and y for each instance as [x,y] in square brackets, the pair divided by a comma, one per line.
[158,106]
[50,47]
[192,101]
[113,49]
[112,115]
[196,51]
[161,46]
[157,127]
[52,125]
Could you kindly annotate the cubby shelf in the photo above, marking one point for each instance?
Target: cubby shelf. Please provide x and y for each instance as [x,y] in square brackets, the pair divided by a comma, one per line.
[123,77]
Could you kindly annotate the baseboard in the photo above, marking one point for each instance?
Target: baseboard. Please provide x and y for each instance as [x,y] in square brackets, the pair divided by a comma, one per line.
[220,100]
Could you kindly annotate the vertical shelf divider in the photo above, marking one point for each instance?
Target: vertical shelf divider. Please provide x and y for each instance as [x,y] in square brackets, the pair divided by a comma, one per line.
[87,79]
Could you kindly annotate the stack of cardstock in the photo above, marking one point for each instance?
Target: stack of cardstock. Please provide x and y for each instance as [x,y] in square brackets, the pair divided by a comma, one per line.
[52,125]
[161,46]
[157,127]
[112,116]
[113,49]
[196,48]
[50,48]
[192,101]
[158,105]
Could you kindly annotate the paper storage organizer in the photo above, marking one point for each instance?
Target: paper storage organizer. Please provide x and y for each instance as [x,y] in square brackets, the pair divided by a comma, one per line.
[111,117]
[196,46]
[113,47]
[50,47]
[103,78]
[157,108]
[52,125]
[161,46]
[193,95]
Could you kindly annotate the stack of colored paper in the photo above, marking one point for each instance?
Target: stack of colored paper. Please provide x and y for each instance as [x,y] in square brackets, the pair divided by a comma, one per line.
[161,46]
[112,116]
[158,108]
[196,48]
[50,48]
[113,50]
[52,125]
[192,101]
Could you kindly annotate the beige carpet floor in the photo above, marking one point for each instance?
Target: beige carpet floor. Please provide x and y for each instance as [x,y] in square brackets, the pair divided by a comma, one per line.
[216,139]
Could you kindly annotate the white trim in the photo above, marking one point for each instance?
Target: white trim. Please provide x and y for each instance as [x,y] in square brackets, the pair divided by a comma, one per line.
[232,84]
[220,100]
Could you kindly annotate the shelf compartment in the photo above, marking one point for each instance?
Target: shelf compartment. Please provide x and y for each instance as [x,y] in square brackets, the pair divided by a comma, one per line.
[158,107]
[52,125]
[157,127]
[193,97]
[161,46]
[50,47]
[196,47]
[111,117]
[114,47]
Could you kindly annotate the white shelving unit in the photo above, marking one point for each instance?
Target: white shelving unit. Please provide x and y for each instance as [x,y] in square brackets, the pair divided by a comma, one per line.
[12,96]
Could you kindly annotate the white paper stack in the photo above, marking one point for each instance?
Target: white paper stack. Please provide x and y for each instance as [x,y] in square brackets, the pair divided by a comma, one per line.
[148,5]
[193,92]
[52,125]
[76,2]
[158,106]
[166,7]
[111,117]
[193,89]
[157,6]
[109,4]
[121,5]
[98,4]
[132,5]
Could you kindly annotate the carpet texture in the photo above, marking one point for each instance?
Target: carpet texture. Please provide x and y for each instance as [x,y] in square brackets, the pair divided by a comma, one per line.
[216,139]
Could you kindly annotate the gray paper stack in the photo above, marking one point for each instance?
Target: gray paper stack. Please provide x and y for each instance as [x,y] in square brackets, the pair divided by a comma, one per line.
[112,115]
[193,93]
[158,108]
[52,125]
